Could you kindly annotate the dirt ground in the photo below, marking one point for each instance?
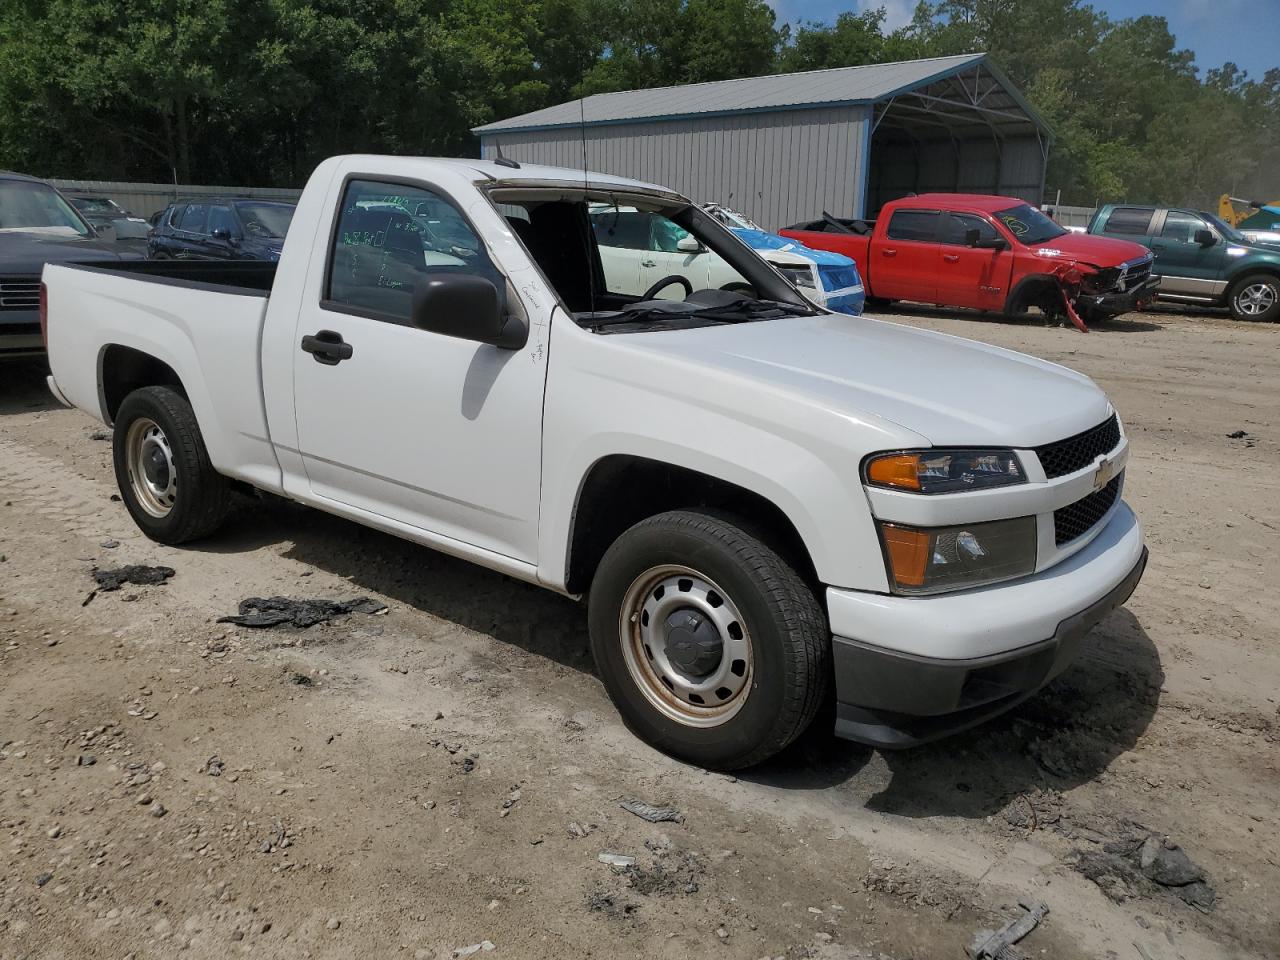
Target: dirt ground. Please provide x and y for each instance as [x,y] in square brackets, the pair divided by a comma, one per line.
[448,773]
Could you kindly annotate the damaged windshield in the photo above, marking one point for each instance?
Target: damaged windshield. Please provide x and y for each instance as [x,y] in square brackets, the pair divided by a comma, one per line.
[1029,225]
[634,263]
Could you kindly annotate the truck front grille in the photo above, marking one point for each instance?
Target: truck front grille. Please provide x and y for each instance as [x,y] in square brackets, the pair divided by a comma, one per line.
[1077,519]
[19,293]
[1076,453]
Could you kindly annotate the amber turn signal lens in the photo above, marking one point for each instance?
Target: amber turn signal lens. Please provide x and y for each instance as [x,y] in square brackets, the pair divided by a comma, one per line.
[908,554]
[897,470]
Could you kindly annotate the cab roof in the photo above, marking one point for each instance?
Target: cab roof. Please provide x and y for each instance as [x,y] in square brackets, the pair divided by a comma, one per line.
[985,202]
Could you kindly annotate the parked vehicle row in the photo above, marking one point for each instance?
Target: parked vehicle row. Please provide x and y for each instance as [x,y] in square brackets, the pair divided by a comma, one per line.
[766,505]
[987,253]
[1200,258]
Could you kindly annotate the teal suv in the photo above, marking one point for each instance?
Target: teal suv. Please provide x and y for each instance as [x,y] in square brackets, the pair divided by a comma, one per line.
[1199,258]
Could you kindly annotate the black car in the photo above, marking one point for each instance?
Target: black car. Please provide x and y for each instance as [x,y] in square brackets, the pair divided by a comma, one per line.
[105,212]
[39,226]
[221,230]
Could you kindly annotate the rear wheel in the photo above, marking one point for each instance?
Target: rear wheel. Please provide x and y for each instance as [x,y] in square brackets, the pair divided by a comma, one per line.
[711,646]
[162,468]
[1256,297]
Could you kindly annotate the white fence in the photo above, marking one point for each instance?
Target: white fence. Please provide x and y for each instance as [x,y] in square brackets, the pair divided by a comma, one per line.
[145,199]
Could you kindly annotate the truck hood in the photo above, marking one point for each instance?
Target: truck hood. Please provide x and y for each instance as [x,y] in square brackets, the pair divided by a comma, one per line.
[1089,248]
[22,252]
[945,389]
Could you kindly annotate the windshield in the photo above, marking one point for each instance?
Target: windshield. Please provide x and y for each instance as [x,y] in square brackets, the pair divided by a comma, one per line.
[37,207]
[95,205]
[633,262]
[1029,225]
[268,221]
[1228,232]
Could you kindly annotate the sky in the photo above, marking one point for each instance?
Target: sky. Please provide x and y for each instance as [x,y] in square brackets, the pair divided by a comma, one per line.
[1245,31]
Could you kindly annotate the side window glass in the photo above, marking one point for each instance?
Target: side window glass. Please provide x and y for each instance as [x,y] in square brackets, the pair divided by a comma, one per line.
[1129,220]
[955,226]
[913,225]
[1181,226]
[220,218]
[391,238]
[621,228]
[194,218]
[175,215]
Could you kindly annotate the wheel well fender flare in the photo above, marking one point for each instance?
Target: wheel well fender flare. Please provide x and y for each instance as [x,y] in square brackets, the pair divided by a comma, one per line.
[1031,282]
[620,490]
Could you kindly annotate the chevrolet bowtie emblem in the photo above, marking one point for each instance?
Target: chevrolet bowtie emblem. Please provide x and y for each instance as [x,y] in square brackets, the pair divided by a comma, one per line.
[1102,476]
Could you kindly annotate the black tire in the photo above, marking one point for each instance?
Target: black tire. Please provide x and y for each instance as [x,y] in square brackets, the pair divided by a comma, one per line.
[877,303]
[1266,286]
[790,647]
[202,498]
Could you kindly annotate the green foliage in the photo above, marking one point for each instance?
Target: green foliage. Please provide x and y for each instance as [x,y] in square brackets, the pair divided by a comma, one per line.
[257,91]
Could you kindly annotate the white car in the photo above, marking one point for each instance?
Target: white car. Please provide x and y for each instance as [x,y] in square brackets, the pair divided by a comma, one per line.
[642,250]
[765,504]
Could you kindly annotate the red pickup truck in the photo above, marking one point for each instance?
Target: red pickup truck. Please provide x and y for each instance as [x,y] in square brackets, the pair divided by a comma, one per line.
[987,253]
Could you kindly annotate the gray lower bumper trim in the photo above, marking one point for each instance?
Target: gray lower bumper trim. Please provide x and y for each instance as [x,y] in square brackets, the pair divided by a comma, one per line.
[890,699]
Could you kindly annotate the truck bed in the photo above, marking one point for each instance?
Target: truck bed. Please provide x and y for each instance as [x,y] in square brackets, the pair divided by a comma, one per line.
[203,318]
[254,277]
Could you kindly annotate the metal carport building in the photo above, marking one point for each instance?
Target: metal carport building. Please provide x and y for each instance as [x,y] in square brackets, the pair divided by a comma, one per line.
[785,147]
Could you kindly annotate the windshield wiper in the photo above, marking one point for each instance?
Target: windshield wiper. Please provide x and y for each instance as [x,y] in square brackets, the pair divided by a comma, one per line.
[738,312]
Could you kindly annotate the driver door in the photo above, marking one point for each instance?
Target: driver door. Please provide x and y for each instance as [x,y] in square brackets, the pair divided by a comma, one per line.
[435,432]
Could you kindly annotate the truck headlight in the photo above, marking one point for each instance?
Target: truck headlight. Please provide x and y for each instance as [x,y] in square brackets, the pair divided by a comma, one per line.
[944,471]
[934,559]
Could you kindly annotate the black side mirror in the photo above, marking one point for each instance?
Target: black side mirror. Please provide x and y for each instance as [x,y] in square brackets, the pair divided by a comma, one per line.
[971,237]
[465,306]
[1205,238]
[221,233]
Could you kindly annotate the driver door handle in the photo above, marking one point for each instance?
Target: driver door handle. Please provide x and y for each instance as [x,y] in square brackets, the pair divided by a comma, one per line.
[889,252]
[951,257]
[327,347]
[648,263]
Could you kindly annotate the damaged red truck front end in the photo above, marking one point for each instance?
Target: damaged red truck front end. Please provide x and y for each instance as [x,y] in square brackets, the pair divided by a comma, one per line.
[990,253]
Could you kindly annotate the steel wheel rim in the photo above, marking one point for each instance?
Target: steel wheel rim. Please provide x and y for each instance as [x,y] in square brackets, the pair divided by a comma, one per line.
[153,476]
[658,657]
[1256,299]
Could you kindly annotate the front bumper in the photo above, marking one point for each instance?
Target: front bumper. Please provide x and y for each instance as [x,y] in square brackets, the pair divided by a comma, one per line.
[1121,301]
[891,692]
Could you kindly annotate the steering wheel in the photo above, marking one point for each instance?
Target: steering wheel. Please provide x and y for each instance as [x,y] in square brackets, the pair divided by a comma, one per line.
[737,286]
[666,282]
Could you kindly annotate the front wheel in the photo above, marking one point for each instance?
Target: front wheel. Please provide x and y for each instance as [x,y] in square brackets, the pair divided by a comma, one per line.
[1255,297]
[162,468]
[710,644]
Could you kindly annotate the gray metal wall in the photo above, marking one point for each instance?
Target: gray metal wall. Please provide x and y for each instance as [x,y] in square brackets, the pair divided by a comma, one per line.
[145,199]
[776,167]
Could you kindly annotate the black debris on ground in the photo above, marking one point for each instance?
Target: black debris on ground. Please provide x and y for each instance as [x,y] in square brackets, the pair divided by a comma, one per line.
[138,574]
[281,611]
[607,903]
[301,680]
[646,811]
[1143,862]
[1237,435]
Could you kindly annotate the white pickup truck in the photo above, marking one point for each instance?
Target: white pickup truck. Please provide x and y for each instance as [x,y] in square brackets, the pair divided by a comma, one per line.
[766,504]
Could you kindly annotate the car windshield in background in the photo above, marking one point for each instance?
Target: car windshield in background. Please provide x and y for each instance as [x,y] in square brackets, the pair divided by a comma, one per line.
[269,220]
[1029,225]
[37,207]
[96,205]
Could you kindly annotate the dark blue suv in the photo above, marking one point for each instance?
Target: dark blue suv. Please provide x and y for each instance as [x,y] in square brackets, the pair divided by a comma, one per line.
[221,229]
